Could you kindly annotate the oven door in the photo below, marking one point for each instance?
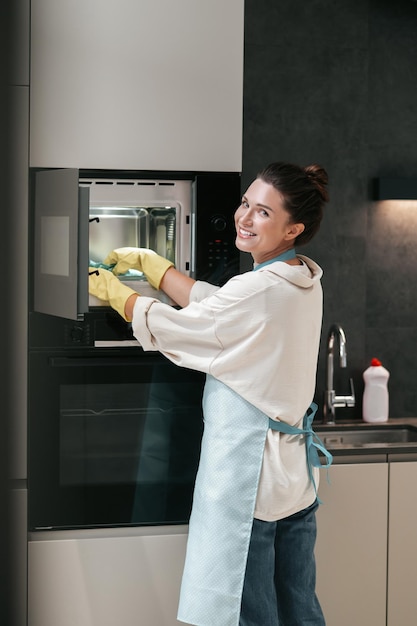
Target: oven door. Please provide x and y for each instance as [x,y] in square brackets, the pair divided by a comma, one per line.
[114,439]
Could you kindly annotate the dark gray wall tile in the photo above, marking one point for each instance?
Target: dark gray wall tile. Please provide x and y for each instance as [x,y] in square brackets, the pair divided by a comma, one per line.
[335,83]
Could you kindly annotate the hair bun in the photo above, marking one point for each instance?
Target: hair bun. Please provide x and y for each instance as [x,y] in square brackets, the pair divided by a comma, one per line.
[318,176]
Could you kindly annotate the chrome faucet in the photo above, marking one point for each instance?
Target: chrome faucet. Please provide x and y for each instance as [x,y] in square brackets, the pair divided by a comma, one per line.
[331,400]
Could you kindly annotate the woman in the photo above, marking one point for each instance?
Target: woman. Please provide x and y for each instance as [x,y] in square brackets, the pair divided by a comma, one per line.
[250,551]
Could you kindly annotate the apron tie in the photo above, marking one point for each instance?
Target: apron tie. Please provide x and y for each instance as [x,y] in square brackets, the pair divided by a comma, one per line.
[314,445]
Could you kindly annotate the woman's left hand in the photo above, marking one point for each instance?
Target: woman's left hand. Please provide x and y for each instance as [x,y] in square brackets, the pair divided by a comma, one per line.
[142,259]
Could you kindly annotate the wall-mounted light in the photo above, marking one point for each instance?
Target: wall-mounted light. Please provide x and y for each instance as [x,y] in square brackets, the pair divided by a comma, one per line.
[396,189]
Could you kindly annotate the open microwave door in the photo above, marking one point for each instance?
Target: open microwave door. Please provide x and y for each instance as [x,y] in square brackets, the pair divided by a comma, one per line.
[61,244]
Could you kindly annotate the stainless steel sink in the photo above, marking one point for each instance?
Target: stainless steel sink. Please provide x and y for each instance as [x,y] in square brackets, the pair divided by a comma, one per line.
[338,436]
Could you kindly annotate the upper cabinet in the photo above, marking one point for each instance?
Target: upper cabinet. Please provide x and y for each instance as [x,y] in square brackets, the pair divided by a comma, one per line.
[137,84]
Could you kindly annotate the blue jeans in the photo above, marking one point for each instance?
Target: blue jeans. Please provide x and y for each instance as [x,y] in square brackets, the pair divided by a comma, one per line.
[280,578]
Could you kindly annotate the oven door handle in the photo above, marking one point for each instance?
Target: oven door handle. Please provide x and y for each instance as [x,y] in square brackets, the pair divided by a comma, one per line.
[106,361]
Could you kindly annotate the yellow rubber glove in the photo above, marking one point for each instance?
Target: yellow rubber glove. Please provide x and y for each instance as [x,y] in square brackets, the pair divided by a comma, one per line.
[142,259]
[106,286]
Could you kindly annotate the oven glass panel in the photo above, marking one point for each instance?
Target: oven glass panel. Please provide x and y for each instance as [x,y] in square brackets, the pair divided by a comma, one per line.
[113,445]
[142,436]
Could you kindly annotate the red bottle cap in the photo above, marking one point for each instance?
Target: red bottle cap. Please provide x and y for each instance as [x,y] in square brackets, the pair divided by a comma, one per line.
[376,362]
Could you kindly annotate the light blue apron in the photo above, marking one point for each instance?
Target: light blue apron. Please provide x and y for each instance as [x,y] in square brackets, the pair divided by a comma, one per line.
[224,499]
[224,503]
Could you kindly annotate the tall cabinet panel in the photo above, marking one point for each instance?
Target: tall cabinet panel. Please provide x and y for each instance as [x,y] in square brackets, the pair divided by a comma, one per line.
[19,42]
[18,187]
[148,84]
[17,359]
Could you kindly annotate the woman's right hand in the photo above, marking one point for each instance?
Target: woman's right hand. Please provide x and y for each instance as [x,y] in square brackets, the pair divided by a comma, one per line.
[142,259]
[107,287]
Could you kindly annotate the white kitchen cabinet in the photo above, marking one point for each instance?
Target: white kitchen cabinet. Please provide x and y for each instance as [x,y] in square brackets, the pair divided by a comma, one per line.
[137,84]
[107,578]
[402,545]
[351,550]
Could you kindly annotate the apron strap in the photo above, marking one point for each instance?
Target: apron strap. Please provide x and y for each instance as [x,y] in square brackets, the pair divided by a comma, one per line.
[314,445]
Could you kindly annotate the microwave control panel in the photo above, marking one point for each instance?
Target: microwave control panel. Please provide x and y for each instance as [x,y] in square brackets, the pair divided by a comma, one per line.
[216,200]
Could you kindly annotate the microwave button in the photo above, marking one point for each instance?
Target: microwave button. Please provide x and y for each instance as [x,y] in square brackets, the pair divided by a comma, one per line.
[218,222]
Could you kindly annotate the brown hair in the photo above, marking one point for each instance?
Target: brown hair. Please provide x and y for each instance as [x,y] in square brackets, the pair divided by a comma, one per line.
[304,193]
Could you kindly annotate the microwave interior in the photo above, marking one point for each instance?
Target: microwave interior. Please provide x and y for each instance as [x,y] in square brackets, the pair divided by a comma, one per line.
[154,214]
[138,227]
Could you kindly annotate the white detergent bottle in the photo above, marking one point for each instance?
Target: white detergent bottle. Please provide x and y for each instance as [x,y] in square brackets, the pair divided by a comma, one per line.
[375,404]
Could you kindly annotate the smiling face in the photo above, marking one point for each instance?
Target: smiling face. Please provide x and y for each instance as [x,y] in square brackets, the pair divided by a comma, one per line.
[263,226]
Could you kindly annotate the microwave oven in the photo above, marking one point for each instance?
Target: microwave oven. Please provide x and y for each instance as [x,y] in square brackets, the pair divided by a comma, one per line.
[80,216]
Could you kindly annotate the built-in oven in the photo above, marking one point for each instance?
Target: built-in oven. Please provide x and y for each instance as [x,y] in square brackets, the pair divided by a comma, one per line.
[115,432]
[114,438]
